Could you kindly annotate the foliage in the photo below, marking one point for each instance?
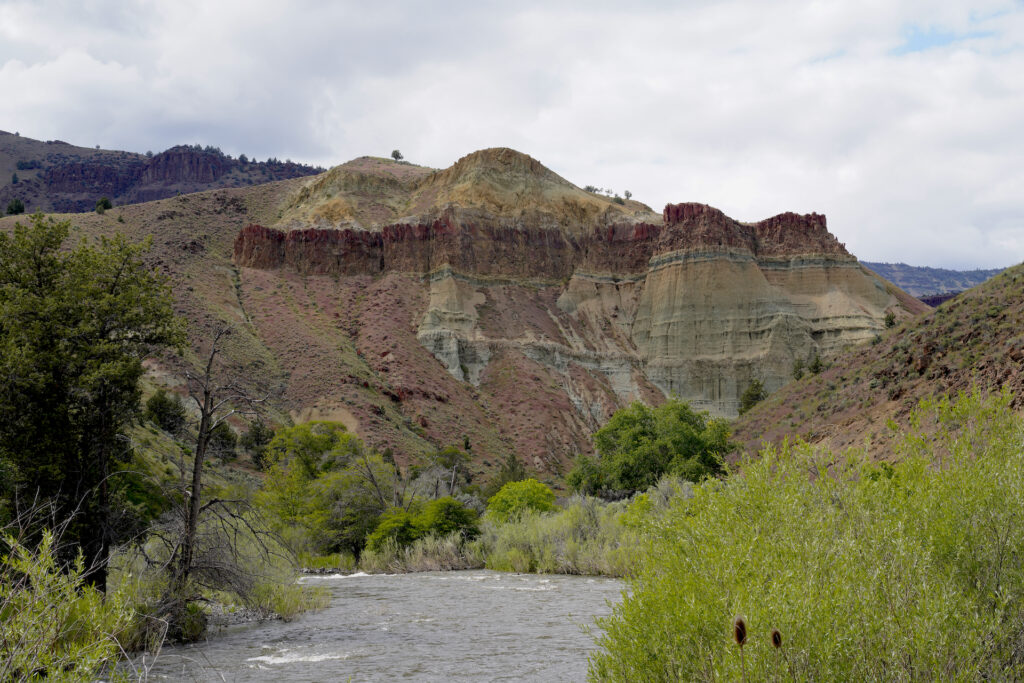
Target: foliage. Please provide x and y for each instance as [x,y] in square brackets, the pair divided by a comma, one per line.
[14,179]
[325,491]
[74,327]
[52,625]
[167,411]
[255,440]
[753,395]
[798,368]
[640,444]
[870,571]
[396,155]
[516,497]
[102,204]
[15,207]
[511,469]
[890,319]
[223,441]
[440,517]
[816,366]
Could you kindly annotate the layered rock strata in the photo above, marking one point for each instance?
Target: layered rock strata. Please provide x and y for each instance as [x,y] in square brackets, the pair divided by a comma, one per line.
[617,306]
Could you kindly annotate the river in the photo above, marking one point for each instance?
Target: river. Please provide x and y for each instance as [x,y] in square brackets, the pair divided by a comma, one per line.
[431,626]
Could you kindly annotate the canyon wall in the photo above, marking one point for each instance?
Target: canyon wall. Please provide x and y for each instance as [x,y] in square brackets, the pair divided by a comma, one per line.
[697,305]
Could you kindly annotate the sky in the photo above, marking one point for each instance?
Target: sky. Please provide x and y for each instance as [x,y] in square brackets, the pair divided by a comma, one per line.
[902,121]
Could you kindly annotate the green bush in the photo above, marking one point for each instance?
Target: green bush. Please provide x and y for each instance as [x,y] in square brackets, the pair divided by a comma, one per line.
[102,204]
[517,497]
[52,625]
[223,441]
[753,395]
[395,525]
[640,445]
[167,411]
[904,571]
[15,207]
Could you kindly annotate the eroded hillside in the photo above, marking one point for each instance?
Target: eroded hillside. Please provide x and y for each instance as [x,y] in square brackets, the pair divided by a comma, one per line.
[975,341]
[494,304]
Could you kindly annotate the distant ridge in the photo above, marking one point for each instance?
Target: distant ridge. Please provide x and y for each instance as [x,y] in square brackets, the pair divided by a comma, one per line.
[57,176]
[923,281]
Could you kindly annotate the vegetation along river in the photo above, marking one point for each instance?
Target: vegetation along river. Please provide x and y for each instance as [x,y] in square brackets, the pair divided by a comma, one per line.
[432,626]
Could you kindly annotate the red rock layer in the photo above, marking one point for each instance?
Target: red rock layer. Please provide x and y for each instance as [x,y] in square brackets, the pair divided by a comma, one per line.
[699,226]
[492,249]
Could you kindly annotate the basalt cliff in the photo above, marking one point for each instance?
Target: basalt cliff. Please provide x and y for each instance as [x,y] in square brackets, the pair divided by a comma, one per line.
[548,307]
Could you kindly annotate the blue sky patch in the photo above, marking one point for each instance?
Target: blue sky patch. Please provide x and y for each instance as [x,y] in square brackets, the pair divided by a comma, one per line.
[919,39]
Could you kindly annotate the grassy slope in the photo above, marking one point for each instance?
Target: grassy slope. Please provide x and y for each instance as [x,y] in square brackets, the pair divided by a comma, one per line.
[975,340]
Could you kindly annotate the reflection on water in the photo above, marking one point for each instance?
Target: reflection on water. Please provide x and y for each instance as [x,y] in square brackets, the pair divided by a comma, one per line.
[434,626]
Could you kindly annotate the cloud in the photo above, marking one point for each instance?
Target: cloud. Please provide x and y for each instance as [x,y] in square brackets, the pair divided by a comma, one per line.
[900,120]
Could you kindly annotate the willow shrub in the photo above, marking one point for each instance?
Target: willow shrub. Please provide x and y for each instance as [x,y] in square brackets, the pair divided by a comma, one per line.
[910,571]
[52,625]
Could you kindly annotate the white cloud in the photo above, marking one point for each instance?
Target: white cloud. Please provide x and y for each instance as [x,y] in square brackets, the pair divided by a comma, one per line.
[900,120]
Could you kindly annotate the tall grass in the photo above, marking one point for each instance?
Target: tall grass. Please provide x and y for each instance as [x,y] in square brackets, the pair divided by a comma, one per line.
[430,553]
[906,572]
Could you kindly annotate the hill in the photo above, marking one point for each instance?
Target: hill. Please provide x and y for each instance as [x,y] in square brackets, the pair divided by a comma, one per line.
[924,281]
[973,341]
[494,305]
[57,176]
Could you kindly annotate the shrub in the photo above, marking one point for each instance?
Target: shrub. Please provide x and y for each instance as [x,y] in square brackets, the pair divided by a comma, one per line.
[167,411]
[15,207]
[223,441]
[890,319]
[640,444]
[905,571]
[798,368]
[397,526]
[396,155]
[102,204]
[446,516]
[52,625]
[753,395]
[255,440]
[517,497]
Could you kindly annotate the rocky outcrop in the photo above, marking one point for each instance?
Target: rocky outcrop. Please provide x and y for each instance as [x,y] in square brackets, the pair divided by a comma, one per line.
[612,302]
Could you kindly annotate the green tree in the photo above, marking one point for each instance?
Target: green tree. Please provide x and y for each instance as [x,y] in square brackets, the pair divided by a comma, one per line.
[511,469]
[816,365]
[641,444]
[255,441]
[753,395]
[167,411]
[223,441]
[102,204]
[396,155]
[75,325]
[517,497]
[798,368]
[445,516]
[15,206]
[890,319]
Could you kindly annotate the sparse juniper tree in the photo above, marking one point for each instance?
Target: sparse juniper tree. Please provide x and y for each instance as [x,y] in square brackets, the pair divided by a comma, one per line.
[15,207]
[627,194]
[102,204]
[396,155]
[75,325]
[753,395]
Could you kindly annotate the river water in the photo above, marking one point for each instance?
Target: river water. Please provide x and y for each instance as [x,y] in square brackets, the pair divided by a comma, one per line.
[432,626]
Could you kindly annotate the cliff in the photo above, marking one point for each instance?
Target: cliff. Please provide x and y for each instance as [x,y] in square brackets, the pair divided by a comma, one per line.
[611,301]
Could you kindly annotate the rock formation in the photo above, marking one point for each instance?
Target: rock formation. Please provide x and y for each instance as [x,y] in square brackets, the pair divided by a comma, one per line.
[614,302]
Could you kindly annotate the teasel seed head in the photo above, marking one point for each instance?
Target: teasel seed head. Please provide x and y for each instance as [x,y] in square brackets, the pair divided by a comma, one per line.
[739,631]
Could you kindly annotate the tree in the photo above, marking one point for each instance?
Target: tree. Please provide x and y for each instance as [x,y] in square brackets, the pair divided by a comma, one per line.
[102,204]
[890,319]
[798,368]
[512,469]
[396,155]
[167,411]
[255,440]
[75,326]
[816,365]
[753,395]
[627,194]
[14,179]
[640,444]
[15,206]
[517,497]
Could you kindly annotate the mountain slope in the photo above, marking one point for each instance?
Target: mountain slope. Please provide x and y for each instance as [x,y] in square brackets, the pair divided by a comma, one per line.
[56,176]
[973,341]
[494,304]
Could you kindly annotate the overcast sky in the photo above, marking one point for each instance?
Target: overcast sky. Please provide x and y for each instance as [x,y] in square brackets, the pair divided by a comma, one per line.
[903,122]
